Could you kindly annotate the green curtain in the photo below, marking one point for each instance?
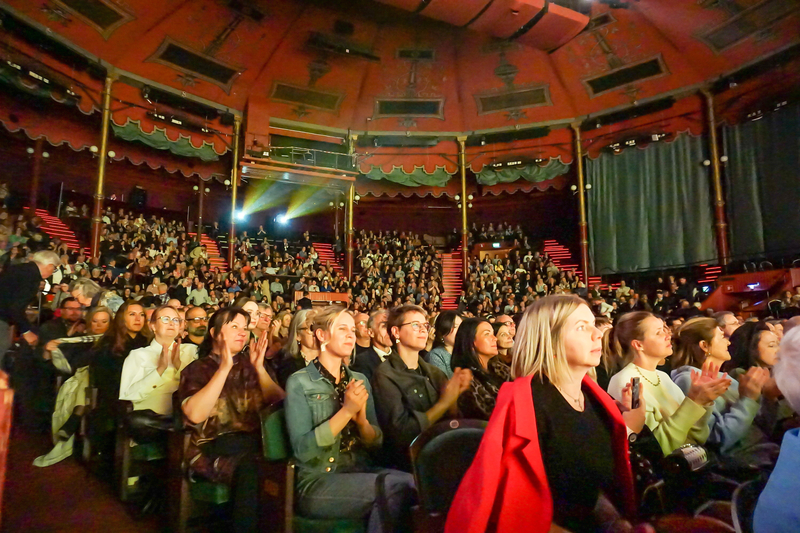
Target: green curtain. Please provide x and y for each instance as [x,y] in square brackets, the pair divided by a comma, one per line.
[763,184]
[650,208]
[438,178]
[531,173]
[132,131]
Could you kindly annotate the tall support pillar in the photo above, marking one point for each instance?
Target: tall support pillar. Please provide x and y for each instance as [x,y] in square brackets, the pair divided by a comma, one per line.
[37,168]
[462,167]
[97,212]
[201,194]
[237,126]
[351,199]
[720,220]
[582,226]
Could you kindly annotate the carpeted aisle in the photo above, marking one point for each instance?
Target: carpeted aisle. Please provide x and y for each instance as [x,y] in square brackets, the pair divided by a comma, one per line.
[62,497]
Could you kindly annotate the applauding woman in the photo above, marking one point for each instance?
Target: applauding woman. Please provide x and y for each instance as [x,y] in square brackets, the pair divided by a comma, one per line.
[221,395]
[410,394]
[331,420]
[554,456]
[700,341]
[674,418]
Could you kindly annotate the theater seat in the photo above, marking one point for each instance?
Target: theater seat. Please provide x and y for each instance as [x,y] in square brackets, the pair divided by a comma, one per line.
[277,452]
[440,456]
[127,454]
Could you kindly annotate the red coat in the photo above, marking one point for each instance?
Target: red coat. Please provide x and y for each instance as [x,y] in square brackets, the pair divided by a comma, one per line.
[505,490]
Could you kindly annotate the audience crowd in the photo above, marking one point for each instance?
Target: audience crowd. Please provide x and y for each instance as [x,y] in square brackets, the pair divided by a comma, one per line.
[585,391]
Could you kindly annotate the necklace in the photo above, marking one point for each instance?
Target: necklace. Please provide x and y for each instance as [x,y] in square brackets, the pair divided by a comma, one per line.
[577,401]
[656,384]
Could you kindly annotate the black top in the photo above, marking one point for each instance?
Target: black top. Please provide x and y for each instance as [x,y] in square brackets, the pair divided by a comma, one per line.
[366,361]
[577,454]
[18,286]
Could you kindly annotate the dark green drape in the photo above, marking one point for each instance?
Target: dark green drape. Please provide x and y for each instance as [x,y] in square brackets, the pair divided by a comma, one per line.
[763,184]
[650,208]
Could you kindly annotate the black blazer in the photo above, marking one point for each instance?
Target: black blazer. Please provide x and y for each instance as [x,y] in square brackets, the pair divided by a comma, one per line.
[366,361]
[402,397]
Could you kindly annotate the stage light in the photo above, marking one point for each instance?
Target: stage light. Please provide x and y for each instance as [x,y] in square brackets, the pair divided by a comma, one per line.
[282,219]
[241,215]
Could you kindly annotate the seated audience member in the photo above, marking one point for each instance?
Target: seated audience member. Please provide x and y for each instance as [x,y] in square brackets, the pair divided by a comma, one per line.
[196,325]
[367,361]
[363,341]
[536,470]
[222,394]
[305,348]
[128,332]
[504,343]
[72,400]
[151,374]
[476,349]
[727,322]
[698,341]
[754,344]
[777,509]
[90,294]
[445,329]
[331,420]
[411,394]
[674,418]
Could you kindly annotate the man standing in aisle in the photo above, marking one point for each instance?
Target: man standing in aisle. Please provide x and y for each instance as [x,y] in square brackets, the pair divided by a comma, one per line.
[18,287]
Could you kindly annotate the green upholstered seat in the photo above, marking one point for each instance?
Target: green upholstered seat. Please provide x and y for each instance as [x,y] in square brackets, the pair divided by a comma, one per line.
[319,525]
[148,452]
[209,492]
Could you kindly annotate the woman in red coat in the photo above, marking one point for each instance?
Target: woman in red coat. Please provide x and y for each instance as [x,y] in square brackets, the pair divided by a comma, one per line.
[565,465]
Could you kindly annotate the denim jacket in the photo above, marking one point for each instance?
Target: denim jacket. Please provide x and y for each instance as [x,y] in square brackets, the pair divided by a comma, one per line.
[310,403]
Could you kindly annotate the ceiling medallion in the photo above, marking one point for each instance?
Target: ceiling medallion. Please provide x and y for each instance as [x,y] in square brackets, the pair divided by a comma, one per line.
[56,14]
[300,111]
[516,114]
[317,68]
[187,80]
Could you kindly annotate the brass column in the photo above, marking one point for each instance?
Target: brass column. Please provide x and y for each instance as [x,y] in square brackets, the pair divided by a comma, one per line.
[720,221]
[37,168]
[462,166]
[351,198]
[97,213]
[583,234]
[202,193]
[237,124]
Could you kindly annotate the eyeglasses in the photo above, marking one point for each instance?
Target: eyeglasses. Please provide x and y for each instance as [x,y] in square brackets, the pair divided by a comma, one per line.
[416,326]
[167,320]
[362,323]
[197,320]
[507,323]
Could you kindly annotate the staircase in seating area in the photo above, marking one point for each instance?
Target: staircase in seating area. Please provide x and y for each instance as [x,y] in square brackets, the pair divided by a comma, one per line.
[215,258]
[562,258]
[326,255]
[710,273]
[54,227]
[452,278]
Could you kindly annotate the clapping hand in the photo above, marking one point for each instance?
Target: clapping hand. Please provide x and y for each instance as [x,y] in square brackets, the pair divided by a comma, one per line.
[225,355]
[706,385]
[355,400]
[751,383]
[257,351]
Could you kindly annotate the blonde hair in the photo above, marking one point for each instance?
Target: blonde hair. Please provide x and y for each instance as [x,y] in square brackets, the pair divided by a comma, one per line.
[325,318]
[539,345]
[687,341]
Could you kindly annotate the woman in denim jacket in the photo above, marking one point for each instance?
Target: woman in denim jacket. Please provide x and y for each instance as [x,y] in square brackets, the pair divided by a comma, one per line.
[331,420]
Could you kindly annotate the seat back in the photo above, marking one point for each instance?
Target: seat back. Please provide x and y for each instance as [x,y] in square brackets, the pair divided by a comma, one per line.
[440,456]
[745,498]
[274,435]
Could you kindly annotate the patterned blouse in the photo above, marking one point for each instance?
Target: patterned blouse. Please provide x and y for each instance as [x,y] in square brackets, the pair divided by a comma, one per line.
[236,410]
[350,435]
[479,399]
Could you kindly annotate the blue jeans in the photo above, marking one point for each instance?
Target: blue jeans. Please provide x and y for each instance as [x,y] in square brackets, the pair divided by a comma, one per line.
[355,495]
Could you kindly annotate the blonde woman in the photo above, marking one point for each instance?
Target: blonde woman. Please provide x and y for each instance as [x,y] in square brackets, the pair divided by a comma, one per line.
[331,420]
[674,418]
[536,471]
